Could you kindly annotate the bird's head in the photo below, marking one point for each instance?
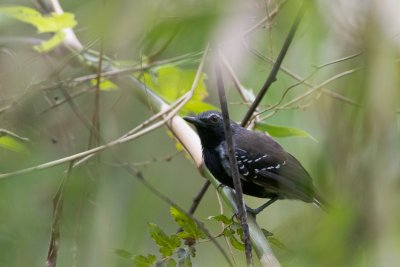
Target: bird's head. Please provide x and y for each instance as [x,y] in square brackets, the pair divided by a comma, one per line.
[209,126]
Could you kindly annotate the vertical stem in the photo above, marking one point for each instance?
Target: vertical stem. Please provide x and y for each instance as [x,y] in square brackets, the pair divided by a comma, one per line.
[233,165]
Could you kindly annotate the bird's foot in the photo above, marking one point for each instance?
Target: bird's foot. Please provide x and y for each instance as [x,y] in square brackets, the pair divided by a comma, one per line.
[220,187]
[256,211]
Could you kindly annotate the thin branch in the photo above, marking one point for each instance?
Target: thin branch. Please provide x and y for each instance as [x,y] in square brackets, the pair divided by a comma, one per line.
[309,92]
[241,89]
[305,82]
[96,149]
[94,136]
[166,199]
[58,201]
[221,211]
[198,197]
[233,165]
[338,60]
[4,132]
[268,18]
[272,76]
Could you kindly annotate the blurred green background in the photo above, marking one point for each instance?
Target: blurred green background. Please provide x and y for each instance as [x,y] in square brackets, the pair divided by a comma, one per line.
[355,163]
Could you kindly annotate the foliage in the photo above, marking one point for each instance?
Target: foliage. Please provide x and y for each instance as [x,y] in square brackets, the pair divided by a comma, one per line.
[174,253]
[172,82]
[282,131]
[54,23]
[12,142]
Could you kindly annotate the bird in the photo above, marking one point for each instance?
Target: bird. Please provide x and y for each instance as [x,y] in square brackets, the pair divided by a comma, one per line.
[266,169]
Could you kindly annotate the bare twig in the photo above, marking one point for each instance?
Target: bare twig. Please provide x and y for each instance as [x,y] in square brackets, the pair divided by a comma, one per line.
[167,200]
[309,92]
[272,76]
[338,60]
[4,132]
[198,197]
[233,165]
[94,150]
[58,201]
[304,80]
[221,211]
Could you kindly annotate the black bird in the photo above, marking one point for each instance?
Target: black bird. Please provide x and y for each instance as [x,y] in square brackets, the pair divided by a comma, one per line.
[266,169]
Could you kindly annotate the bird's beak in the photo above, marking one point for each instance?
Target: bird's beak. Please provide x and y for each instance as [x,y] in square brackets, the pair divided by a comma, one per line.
[193,120]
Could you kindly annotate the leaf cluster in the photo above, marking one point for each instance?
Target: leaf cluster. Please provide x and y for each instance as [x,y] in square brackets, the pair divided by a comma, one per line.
[179,249]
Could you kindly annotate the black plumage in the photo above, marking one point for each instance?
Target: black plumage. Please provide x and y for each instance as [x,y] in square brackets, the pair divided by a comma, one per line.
[266,169]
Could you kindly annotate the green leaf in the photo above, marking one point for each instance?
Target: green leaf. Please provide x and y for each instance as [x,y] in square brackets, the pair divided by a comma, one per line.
[53,23]
[166,243]
[143,261]
[233,240]
[105,85]
[221,218]
[274,241]
[171,82]
[124,254]
[13,144]
[282,131]
[197,106]
[50,44]
[266,233]
[170,262]
[277,243]
[190,227]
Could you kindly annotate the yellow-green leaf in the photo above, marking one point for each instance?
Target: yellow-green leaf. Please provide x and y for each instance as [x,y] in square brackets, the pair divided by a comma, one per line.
[197,106]
[171,82]
[52,23]
[50,44]
[166,243]
[190,227]
[233,240]
[282,131]
[12,144]
[221,218]
[124,254]
[105,85]
[144,261]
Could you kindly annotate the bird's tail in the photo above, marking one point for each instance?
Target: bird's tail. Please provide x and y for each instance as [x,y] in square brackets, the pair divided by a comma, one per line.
[321,203]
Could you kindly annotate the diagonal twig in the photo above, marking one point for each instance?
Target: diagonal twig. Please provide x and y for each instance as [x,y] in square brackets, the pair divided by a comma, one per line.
[272,76]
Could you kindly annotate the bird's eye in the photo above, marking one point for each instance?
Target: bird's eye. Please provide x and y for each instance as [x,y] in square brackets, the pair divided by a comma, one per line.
[214,118]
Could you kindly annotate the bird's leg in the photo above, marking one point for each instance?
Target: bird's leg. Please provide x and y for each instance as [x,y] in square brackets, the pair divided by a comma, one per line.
[256,211]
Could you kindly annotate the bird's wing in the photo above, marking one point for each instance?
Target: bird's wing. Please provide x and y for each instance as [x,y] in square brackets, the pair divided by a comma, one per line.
[271,167]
